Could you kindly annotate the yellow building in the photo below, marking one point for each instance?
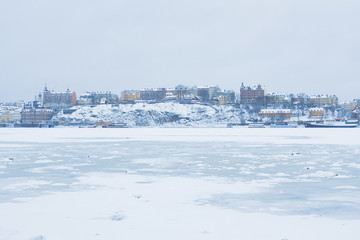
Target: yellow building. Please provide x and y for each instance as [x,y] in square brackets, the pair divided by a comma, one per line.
[322,100]
[222,100]
[348,106]
[130,96]
[10,116]
[316,112]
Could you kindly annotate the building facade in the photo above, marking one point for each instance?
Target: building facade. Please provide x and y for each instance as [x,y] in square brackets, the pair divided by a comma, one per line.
[130,95]
[182,91]
[223,100]
[322,100]
[255,95]
[58,100]
[96,98]
[155,94]
[316,112]
[36,115]
[277,99]
[203,93]
[10,115]
[355,114]
[348,106]
[208,93]
[105,97]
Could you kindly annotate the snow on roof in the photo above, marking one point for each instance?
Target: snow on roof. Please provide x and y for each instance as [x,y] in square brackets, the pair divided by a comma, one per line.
[277,94]
[322,96]
[37,110]
[275,111]
[316,109]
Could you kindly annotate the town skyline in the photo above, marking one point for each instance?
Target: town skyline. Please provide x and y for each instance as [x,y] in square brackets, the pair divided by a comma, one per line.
[32,96]
[136,108]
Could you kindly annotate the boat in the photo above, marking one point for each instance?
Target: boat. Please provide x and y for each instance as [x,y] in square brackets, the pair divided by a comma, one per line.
[284,125]
[331,124]
[115,125]
[256,125]
[352,121]
[88,126]
[231,125]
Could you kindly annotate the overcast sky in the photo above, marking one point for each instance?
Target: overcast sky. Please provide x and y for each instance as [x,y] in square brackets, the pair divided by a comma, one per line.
[97,45]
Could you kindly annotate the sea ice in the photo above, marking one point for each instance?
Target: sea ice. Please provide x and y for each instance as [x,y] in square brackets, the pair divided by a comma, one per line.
[179,184]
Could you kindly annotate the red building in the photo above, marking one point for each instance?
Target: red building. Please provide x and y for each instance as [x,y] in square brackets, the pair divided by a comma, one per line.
[255,95]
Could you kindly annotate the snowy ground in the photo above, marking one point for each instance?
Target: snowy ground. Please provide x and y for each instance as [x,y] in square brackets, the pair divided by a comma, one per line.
[151,183]
[167,114]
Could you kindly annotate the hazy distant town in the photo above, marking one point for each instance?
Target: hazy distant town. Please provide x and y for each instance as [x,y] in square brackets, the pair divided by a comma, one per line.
[198,106]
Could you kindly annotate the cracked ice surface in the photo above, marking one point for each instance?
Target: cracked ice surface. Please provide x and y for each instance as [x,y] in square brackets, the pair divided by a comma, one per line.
[179,183]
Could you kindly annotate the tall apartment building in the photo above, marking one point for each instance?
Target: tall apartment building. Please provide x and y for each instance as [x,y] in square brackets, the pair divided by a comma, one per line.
[208,93]
[255,95]
[182,91]
[203,93]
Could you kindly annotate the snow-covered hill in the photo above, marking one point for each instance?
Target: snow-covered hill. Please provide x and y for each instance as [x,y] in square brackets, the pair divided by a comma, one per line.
[158,114]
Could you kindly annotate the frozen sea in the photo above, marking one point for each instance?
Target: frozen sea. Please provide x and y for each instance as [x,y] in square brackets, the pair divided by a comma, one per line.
[163,183]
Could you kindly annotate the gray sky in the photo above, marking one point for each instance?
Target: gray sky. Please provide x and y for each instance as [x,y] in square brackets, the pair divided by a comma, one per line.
[288,46]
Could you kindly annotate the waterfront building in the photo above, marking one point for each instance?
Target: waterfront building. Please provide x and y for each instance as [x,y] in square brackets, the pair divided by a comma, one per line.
[316,112]
[10,115]
[36,115]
